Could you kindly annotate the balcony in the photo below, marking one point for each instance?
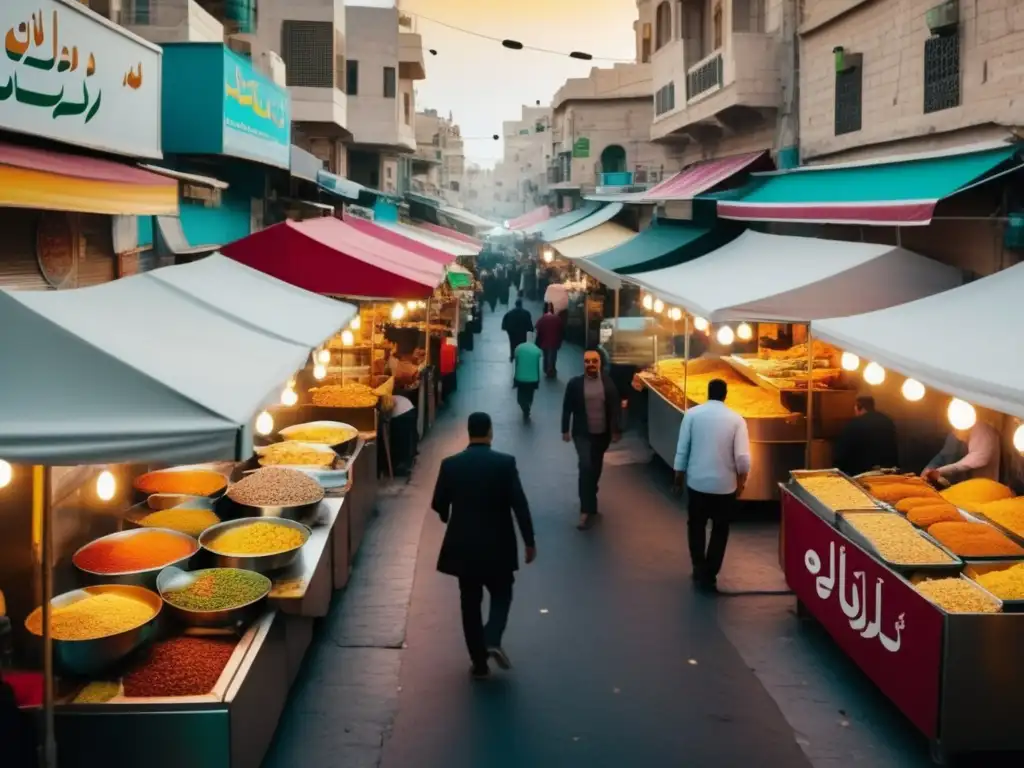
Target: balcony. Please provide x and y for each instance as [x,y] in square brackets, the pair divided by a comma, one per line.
[375,121]
[327,106]
[170,21]
[410,57]
[641,178]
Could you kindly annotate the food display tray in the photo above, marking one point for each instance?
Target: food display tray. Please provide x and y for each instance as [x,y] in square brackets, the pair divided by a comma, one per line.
[813,502]
[1016,538]
[976,585]
[973,568]
[864,542]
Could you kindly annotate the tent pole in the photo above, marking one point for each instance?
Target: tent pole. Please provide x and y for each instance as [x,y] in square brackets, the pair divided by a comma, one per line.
[42,513]
[686,359]
[615,335]
[810,398]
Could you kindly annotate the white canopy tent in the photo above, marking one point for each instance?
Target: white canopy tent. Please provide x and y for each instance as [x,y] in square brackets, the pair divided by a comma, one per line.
[961,343]
[441,243]
[594,220]
[142,370]
[774,278]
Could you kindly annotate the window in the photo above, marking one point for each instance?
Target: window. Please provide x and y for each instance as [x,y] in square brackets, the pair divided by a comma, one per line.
[389,83]
[307,48]
[407,107]
[437,154]
[352,77]
[665,99]
[848,100]
[941,72]
[453,186]
[339,61]
[663,24]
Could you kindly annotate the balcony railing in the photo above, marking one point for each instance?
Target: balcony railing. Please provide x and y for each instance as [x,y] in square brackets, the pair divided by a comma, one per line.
[704,76]
[640,176]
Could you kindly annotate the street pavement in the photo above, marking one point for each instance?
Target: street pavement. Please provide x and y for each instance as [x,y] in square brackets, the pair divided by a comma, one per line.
[618,661]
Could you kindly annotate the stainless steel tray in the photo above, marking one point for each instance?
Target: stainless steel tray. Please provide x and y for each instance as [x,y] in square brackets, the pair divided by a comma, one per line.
[974,584]
[955,565]
[973,568]
[813,502]
[979,520]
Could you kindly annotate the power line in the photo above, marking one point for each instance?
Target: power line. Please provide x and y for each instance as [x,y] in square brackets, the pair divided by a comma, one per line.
[515,45]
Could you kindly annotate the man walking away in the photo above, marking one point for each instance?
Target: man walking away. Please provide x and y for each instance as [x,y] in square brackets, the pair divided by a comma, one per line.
[477,493]
[517,323]
[712,461]
[549,339]
[527,374]
[591,412]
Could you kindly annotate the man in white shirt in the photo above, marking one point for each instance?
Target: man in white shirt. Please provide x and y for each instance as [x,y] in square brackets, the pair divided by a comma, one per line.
[712,461]
[966,453]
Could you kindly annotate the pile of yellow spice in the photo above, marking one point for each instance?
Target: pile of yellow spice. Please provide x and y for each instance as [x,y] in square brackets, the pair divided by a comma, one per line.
[259,538]
[1006,584]
[93,617]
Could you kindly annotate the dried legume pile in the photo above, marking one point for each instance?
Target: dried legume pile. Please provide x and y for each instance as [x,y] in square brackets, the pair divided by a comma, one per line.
[93,617]
[974,540]
[1006,584]
[957,595]
[896,540]
[180,666]
[188,482]
[218,589]
[276,487]
[98,692]
[141,552]
[256,539]
[836,492]
[184,520]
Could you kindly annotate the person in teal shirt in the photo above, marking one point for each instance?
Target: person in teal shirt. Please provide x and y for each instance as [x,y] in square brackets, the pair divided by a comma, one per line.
[528,360]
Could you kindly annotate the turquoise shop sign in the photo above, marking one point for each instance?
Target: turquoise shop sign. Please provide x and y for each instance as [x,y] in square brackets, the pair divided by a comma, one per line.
[216,103]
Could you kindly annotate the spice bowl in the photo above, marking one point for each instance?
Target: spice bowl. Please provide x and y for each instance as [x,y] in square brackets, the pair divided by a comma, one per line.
[261,563]
[143,577]
[238,503]
[172,579]
[89,657]
[165,478]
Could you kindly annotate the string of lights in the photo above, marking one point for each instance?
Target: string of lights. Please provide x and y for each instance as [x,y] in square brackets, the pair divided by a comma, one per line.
[514,45]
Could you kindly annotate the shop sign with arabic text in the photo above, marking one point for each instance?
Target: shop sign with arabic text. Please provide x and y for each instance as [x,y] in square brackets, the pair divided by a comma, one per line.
[257,114]
[70,75]
[879,620]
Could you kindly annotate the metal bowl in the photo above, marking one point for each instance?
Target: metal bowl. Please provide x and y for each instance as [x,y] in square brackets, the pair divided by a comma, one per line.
[229,509]
[89,657]
[287,432]
[143,495]
[172,578]
[258,563]
[145,578]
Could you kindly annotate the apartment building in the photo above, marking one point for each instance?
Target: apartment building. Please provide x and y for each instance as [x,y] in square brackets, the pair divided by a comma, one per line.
[439,165]
[478,191]
[716,73]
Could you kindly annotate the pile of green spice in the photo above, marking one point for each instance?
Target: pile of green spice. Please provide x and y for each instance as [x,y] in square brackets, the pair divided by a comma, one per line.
[219,589]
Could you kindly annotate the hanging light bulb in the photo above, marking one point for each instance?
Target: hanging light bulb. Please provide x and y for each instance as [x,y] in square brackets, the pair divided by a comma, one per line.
[675,313]
[961,414]
[700,323]
[725,336]
[347,338]
[106,485]
[264,423]
[397,311]
[913,390]
[323,356]
[744,332]
[412,304]
[6,473]
[356,323]
[289,397]
[849,361]
[659,306]
[1018,443]
[549,256]
[648,302]
[319,371]
[874,374]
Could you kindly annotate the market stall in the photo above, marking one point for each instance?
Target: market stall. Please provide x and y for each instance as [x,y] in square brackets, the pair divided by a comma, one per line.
[138,386]
[768,357]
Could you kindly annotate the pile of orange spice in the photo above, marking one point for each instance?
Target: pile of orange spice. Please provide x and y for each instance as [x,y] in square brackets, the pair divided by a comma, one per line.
[144,551]
[186,482]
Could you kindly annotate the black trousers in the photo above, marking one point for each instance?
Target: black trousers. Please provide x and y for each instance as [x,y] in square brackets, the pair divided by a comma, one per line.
[479,637]
[550,361]
[716,508]
[590,450]
[524,395]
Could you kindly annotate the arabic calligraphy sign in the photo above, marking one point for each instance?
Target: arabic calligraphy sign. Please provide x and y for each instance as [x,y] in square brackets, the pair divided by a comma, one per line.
[257,114]
[68,74]
[881,622]
[55,249]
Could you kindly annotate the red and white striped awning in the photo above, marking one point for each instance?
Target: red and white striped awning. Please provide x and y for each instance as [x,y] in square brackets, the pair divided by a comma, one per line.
[536,216]
[701,177]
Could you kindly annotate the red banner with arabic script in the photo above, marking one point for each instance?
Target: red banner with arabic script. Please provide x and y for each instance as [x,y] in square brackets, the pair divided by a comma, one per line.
[882,623]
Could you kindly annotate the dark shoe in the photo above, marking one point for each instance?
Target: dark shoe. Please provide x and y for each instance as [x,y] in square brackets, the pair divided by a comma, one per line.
[707,585]
[480,671]
[500,658]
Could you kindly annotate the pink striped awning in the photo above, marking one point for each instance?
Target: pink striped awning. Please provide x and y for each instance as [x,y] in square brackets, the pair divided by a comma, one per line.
[451,234]
[701,177]
[536,216]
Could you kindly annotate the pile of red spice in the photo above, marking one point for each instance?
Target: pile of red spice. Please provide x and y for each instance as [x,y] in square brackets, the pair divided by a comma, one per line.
[180,666]
[144,551]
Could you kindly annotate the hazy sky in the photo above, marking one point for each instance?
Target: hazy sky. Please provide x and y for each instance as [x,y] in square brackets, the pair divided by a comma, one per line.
[482,83]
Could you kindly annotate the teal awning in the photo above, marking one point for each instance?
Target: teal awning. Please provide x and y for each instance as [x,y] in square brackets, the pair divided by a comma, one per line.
[545,228]
[895,193]
[587,223]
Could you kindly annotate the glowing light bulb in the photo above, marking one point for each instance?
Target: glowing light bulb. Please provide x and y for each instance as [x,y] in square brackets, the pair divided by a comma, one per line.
[397,312]
[675,313]
[659,306]
[913,390]
[412,304]
[725,336]
[106,485]
[549,256]
[347,338]
[356,323]
[1018,442]
[289,397]
[700,323]
[648,302]
[264,423]
[319,371]
[849,361]
[744,332]
[323,356]
[6,473]
[961,414]
[874,374]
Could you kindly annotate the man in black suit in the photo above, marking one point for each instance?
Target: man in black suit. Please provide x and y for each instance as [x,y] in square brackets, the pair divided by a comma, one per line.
[868,441]
[591,412]
[477,493]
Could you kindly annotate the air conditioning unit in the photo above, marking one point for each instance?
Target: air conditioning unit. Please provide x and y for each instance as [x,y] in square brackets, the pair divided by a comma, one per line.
[273,67]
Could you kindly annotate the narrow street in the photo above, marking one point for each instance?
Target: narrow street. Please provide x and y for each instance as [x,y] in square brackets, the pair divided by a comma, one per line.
[618,661]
